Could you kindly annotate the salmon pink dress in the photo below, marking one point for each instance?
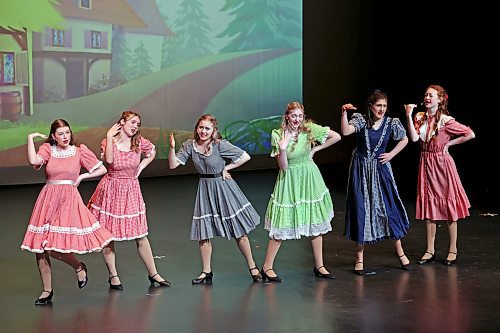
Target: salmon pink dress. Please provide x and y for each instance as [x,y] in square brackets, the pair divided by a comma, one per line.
[60,220]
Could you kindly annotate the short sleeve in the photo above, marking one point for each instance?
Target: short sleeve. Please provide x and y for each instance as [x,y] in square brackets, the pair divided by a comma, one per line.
[358,121]
[398,131]
[230,151]
[44,153]
[275,138]
[88,160]
[454,128]
[319,133]
[185,152]
[103,147]
[147,148]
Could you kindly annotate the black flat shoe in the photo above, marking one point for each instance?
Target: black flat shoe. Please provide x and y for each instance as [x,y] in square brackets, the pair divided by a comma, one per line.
[428,260]
[82,283]
[317,273]
[451,262]
[358,271]
[403,266]
[162,283]
[45,300]
[207,278]
[114,286]
[257,277]
[269,278]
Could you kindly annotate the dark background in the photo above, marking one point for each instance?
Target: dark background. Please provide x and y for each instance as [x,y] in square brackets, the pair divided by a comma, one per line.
[354,47]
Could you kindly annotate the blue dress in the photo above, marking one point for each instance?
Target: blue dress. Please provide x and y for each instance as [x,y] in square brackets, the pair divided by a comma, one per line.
[374,210]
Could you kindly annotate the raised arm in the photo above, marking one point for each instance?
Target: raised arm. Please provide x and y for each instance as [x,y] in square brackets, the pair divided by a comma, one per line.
[32,158]
[172,161]
[112,132]
[282,158]
[345,128]
[412,133]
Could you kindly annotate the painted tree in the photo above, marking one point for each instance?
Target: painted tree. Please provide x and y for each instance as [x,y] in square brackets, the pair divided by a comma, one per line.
[191,26]
[121,58]
[170,49]
[262,24]
[141,61]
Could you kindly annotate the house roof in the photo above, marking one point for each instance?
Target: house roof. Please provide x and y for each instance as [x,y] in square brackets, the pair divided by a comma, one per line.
[148,11]
[117,12]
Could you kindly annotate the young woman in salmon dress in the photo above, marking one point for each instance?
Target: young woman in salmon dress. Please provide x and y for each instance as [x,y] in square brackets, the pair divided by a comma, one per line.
[61,224]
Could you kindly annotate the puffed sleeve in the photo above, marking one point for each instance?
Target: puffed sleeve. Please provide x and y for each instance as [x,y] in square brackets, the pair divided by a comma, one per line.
[454,128]
[88,160]
[398,131]
[43,153]
[275,138]
[319,133]
[230,151]
[147,148]
[358,121]
[185,152]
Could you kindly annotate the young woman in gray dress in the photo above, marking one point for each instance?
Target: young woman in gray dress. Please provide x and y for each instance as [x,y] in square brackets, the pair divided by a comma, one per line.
[221,208]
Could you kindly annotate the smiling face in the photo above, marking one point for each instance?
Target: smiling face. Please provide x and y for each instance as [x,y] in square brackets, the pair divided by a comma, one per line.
[378,109]
[431,99]
[62,137]
[205,129]
[295,118]
[131,126]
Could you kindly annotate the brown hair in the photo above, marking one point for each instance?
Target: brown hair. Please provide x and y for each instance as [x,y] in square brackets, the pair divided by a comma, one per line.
[58,123]
[442,106]
[373,98]
[136,138]
[211,118]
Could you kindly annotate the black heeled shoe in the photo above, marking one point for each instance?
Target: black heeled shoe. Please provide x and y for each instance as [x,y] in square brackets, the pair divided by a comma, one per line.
[403,266]
[162,283]
[257,277]
[321,275]
[269,278]
[114,286]
[358,271]
[82,283]
[45,300]
[428,260]
[451,262]
[207,278]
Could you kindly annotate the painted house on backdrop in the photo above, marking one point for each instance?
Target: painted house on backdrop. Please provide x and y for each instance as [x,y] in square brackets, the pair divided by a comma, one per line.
[77,60]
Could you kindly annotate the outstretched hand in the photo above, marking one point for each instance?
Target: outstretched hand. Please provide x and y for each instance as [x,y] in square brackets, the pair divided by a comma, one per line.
[172,140]
[409,108]
[285,140]
[37,135]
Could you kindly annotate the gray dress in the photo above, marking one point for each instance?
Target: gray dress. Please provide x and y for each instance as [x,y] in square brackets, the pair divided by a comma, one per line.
[221,208]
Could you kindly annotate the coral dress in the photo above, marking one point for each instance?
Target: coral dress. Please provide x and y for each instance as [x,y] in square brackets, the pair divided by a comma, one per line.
[117,200]
[60,220]
[374,210]
[221,208]
[300,204]
[440,194]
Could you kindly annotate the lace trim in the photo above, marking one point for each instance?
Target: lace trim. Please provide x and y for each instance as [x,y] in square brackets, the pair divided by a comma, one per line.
[95,167]
[142,212]
[64,230]
[423,128]
[181,162]
[370,154]
[210,150]
[300,202]
[297,232]
[325,136]
[222,217]
[151,152]
[58,153]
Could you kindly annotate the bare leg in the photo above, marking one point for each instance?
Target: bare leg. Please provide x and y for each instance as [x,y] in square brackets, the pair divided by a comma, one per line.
[244,245]
[401,253]
[206,256]
[360,249]
[272,250]
[70,259]
[109,255]
[430,228]
[317,248]
[146,254]
[453,231]
[45,269]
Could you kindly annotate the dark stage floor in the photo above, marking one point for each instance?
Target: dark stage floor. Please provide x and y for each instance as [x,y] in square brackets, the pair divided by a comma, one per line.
[431,298]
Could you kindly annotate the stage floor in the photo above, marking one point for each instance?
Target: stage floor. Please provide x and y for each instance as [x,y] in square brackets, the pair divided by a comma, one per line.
[430,298]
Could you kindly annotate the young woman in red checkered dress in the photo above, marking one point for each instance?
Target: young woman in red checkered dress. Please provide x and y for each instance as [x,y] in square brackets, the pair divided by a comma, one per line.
[117,201]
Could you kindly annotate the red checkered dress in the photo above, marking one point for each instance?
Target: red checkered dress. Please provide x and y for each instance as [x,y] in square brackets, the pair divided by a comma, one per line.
[117,201]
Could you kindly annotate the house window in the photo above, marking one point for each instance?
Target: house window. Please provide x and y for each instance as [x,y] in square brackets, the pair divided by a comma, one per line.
[85,4]
[7,77]
[57,37]
[96,41]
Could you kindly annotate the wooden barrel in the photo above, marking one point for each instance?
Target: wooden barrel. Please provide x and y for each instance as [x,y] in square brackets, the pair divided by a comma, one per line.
[11,105]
